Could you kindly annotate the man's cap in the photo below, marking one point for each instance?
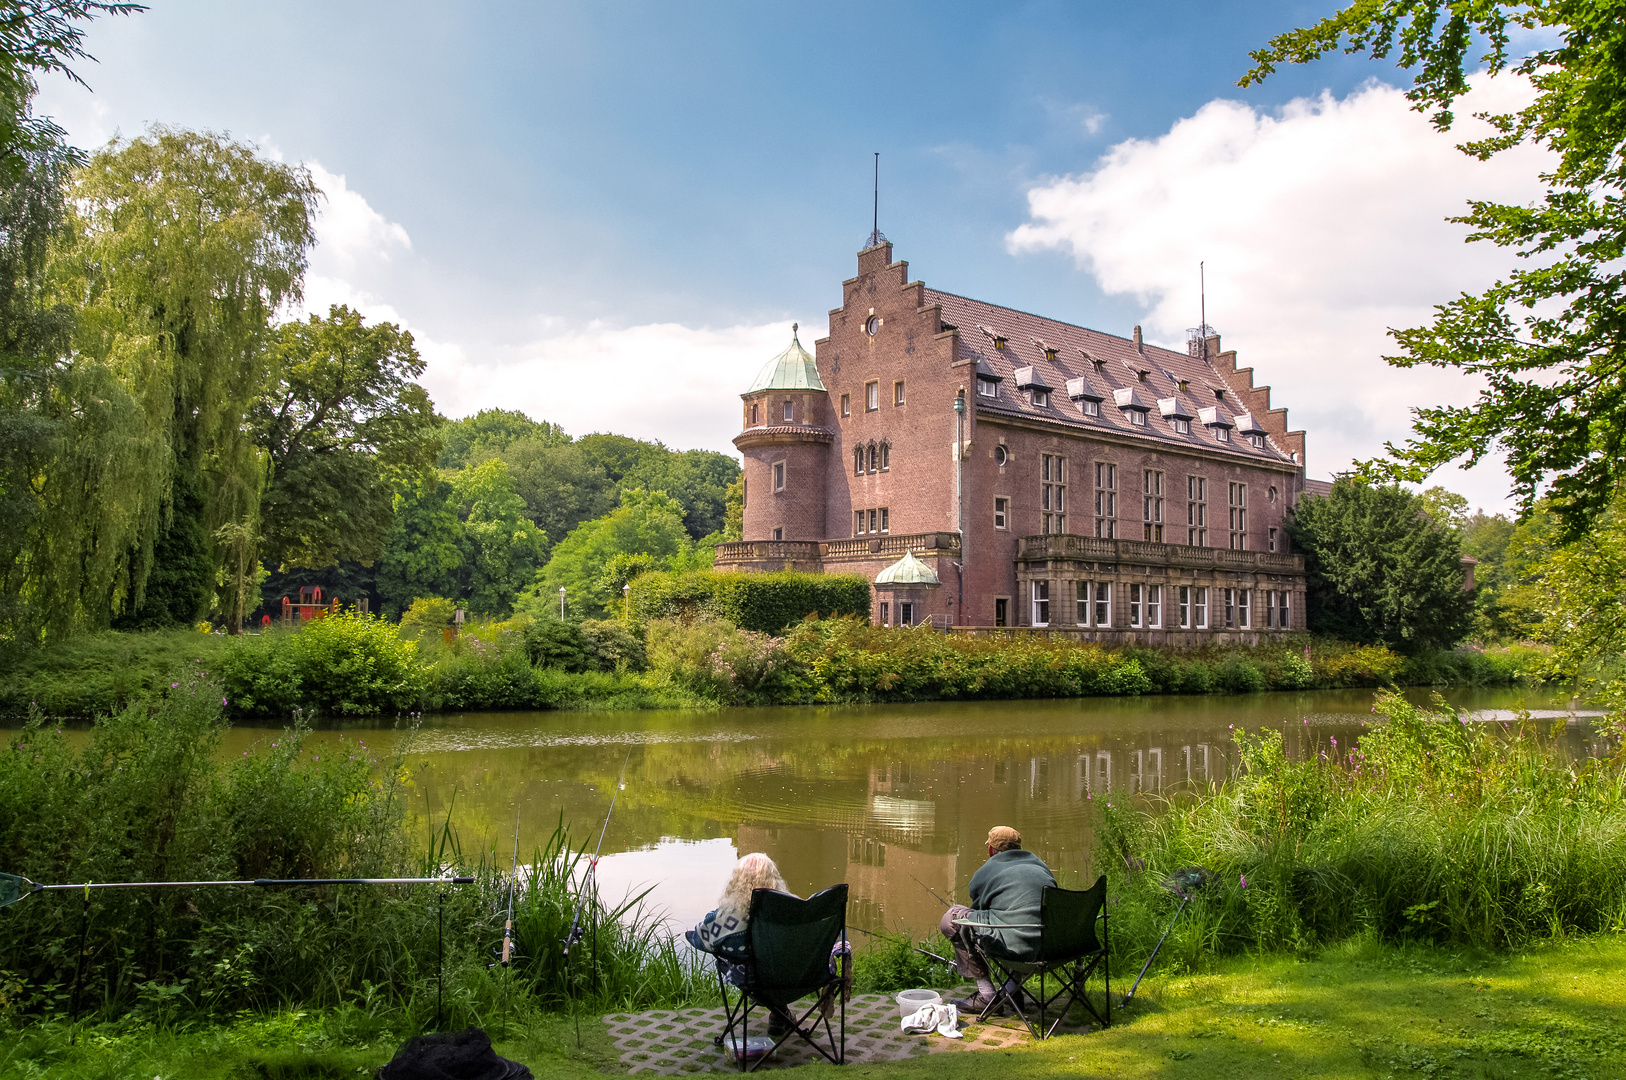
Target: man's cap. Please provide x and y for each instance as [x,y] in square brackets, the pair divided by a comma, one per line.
[1003,834]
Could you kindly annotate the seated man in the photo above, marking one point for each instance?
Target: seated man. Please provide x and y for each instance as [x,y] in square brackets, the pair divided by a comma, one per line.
[1003,916]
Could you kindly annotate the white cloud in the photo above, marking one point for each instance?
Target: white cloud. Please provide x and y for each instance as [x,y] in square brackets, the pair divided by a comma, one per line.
[348,229]
[1321,227]
[679,384]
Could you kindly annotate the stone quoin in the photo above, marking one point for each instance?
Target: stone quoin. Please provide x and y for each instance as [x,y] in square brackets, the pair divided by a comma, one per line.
[989,468]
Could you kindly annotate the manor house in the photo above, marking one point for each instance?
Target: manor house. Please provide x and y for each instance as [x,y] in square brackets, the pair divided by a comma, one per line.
[985,467]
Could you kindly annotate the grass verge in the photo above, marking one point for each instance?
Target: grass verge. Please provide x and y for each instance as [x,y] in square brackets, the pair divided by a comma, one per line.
[1358,1010]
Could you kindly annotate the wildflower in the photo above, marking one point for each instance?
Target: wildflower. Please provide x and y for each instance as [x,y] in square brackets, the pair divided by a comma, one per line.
[1244,878]
[173,685]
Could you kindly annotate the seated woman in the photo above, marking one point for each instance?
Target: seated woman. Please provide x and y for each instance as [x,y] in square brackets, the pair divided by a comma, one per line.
[722,931]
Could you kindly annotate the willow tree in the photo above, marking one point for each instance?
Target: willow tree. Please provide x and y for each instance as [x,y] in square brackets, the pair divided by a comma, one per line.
[186,246]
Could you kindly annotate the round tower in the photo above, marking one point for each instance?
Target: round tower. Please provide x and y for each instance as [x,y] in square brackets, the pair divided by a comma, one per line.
[786,445]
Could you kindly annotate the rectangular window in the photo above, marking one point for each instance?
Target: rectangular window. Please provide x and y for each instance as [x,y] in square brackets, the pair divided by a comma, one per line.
[1041,398]
[906,613]
[886,457]
[1154,606]
[790,411]
[1258,441]
[1002,607]
[1182,427]
[886,522]
[1273,539]
[1002,513]
[1090,408]
[779,534]
[1041,603]
[745,492]
[1196,511]
[1230,608]
[1237,497]
[858,522]
[1222,433]
[1284,614]
[1083,595]
[1103,603]
[1152,505]
[886,613]
[1053,493]
[874,521]
[1137,602]
[846,404]
[1269,597]
[1185,607]
[987,388]
[897,392]
[1244,617]
[1199,606]
[1106,499]
[1137,418]
[753,415]
[872,396]
[779,476]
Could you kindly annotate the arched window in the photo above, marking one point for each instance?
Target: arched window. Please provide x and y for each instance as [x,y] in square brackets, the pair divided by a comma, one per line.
[873,455]
[858,461]
[886,456]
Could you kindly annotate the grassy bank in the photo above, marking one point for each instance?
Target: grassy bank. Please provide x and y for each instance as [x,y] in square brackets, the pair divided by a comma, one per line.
[351,665]
[1361,1010]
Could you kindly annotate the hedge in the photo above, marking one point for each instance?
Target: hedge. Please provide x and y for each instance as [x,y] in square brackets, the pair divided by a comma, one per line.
[765,603]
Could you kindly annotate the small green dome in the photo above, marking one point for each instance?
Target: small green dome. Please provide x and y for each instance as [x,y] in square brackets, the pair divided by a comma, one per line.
[907,571]
[792,369]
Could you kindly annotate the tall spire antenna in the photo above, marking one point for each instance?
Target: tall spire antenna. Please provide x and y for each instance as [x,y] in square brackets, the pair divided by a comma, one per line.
[876,237]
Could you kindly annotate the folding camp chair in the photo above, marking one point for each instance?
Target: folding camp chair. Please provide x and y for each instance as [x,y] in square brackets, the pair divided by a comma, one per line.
[790,950]
[1068,950]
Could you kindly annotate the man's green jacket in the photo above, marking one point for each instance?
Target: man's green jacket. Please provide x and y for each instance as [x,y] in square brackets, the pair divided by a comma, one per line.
[1005,892]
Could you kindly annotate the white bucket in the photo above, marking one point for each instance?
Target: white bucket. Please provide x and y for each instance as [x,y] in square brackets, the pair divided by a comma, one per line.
[912,1001]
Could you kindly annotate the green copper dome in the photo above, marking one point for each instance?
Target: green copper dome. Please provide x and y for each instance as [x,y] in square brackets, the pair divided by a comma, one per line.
[792,369]
[908,571]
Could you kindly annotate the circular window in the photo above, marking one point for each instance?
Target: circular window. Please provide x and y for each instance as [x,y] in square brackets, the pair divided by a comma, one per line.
[873,327]
[1001,455]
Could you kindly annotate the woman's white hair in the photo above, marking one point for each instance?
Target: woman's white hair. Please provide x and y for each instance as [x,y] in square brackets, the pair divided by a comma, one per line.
[753,871]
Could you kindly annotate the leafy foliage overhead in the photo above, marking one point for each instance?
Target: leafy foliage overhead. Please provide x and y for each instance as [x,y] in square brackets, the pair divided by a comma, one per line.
[1549,339]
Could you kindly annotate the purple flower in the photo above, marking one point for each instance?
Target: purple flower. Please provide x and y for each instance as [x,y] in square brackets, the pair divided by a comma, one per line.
[173,685]
[1244,878]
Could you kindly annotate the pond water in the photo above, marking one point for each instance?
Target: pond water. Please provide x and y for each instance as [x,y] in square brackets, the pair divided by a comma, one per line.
[895,800]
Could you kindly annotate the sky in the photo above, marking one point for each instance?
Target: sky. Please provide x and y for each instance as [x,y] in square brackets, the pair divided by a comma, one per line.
[609,214]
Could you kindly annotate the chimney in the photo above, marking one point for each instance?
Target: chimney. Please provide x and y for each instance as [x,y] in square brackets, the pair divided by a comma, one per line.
[1137,339]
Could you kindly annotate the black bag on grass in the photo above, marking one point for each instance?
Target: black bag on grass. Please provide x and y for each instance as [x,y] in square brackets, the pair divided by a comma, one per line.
[459,1055]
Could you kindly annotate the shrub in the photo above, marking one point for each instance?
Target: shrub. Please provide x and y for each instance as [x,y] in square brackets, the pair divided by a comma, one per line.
[563,645]
[721,662]
[428,614]
[618,648]
[765,603]
[485,667]
[346,664]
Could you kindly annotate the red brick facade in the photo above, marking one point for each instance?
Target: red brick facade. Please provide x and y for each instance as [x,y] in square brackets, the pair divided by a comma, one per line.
[1086,458]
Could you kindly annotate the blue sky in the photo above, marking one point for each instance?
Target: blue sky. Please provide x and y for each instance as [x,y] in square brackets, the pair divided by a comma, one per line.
[555,195]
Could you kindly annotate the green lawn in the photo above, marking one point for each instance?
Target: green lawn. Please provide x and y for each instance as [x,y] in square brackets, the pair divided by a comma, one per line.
[1556,1011]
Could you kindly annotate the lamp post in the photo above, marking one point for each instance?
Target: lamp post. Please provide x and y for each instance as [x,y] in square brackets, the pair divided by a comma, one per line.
[626,602]
[561,603]
[959,492]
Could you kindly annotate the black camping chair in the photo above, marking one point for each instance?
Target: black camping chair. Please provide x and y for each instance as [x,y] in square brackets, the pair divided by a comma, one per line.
[1068,949]
[789,953]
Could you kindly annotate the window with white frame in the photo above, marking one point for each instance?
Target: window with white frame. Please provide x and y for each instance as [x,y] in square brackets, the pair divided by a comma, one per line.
[1237,497]
[988,388]
[1090,408]
[1137,605]
[1185,607]
[1041,603]
[1228,597]
[1106,499]
[1152,505]
[1196,511]
[1041,398]
[1258,441]
[897,392]
[1272,539]
[1083,594]
[886,519]
[779,534]
[846,404]
[1244,613]
[1102,616]
[906,613]
[1052,493]
[872,396]
[886,457]
[1136,417]
[859,521]
[1154,606]
[858,461]
[1181,426]
[779,476]
[1199,606]
[1284,613]
[1002,513]
[874,457]
[790,411]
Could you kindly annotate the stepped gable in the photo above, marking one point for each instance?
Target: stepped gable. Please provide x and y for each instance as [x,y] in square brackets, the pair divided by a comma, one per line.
[1026,339]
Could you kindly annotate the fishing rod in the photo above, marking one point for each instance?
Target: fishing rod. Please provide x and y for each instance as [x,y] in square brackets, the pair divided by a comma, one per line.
[923,952]
[507,952]
[1182,883]
[14,888]
[590,879]
[931,890]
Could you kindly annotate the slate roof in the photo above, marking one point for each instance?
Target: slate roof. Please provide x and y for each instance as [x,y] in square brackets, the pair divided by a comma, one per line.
[1076,350]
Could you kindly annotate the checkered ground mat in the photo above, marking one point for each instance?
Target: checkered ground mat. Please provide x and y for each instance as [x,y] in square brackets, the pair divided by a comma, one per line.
[671,1041]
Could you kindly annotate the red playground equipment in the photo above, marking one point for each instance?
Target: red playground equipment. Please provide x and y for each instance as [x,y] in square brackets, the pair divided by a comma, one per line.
[310,606]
